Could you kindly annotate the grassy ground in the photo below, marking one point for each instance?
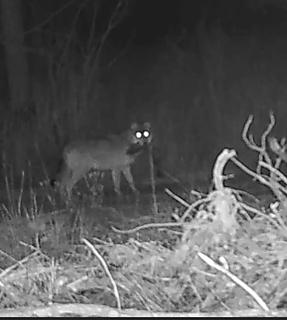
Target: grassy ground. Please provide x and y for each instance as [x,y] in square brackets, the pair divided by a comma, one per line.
[197,93]
[157,262]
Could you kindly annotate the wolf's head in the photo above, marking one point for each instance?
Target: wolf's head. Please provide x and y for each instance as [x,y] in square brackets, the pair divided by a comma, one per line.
[140,134]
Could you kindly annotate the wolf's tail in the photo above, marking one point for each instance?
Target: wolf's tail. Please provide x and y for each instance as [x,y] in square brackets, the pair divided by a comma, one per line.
[53,181]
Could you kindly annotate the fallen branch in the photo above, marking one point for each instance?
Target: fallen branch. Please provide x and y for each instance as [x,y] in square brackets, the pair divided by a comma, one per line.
[148,225]
[177,198]
[220,163]
[95,310]
[235,279]
[276,172]
[190,207]
[103,263]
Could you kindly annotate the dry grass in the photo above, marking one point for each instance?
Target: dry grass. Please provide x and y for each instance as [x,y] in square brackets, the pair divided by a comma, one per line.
[221,260]
[197,100]
[157,275]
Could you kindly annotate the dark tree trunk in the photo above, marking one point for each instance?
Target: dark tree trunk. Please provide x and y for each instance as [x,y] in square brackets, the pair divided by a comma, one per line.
[16,60]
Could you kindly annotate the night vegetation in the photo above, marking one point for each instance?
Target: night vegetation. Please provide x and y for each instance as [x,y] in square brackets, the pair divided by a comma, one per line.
[195,70]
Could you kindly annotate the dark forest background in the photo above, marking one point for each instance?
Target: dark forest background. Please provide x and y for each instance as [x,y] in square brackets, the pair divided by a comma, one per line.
[194,69]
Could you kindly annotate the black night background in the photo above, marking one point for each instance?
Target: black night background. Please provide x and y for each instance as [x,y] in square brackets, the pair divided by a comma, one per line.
[192,71]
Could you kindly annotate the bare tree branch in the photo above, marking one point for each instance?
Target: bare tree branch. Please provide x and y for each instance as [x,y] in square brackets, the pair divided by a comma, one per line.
[48,19]
[261,149]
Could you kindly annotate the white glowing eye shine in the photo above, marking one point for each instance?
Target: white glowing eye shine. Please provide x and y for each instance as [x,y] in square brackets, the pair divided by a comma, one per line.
[146,134]
[138,135]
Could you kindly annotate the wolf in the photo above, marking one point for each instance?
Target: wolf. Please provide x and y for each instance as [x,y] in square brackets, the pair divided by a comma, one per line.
[115,153]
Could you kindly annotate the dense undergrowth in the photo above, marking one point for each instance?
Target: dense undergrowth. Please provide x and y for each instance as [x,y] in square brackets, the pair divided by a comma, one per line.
[220,253]
[223,250]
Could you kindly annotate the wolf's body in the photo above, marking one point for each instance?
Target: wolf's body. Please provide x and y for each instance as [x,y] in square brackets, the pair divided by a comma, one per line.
[114,152]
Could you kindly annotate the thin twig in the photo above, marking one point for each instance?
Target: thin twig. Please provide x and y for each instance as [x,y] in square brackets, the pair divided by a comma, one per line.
[177,198]
[151,164]
[266,133]
[259,213]
[261,149]
[96,51]
[47,20]
[274,170]
[249,141]
[104,264]
[235,279]
[21,193]
[63,56]
[92,29]
[250,172]
[149,225]
[18,263]
[192,207]
[258,177]
[36,145]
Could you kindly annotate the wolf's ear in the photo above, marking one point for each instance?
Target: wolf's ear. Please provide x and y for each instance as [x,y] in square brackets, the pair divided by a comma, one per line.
[134,126]
[147,125]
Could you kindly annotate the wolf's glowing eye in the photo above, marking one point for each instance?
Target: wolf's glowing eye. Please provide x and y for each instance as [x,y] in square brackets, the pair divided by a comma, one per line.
[138,135]
[146,134]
